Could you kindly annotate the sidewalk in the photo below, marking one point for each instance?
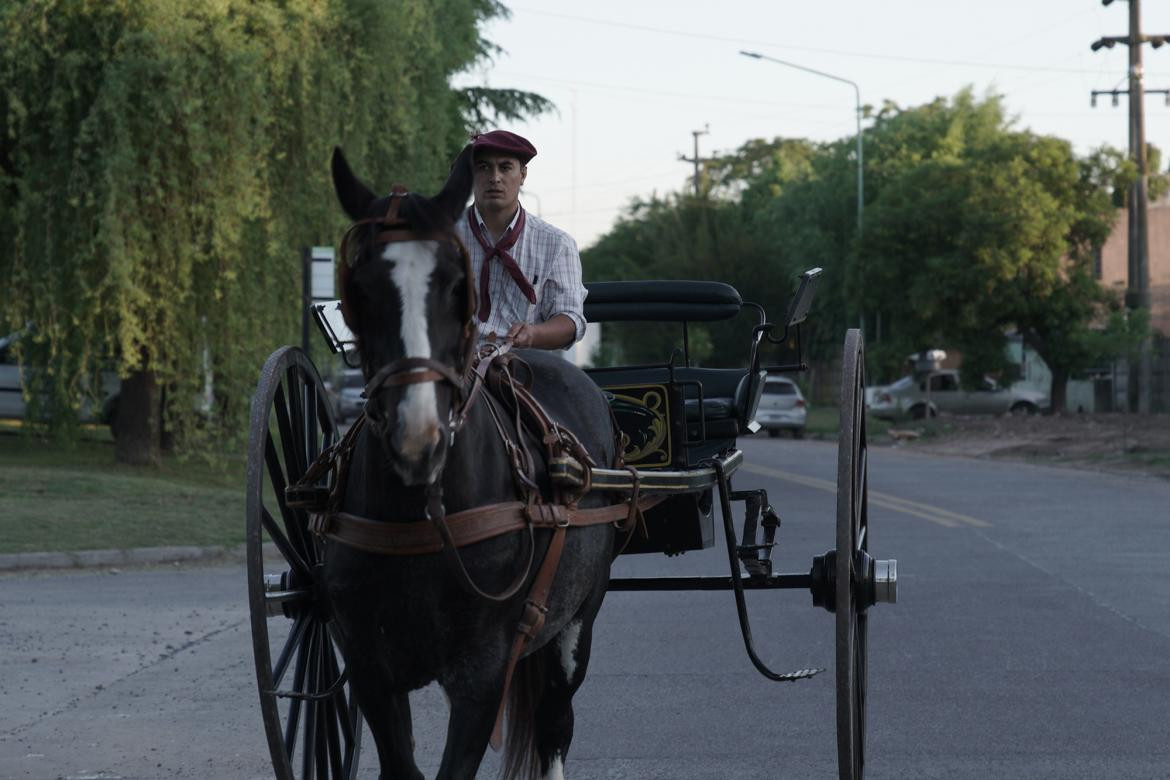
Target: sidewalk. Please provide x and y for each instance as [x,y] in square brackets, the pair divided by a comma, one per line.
[141,556]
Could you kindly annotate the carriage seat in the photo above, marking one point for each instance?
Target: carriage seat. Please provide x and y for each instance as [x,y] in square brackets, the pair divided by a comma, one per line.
[721,412]
[709,424]
[670,300]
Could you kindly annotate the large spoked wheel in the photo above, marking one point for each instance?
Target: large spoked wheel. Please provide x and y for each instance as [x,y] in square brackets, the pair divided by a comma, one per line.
[310,716]
[853,565]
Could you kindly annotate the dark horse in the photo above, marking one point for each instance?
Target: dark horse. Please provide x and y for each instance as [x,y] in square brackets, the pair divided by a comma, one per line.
[405,621]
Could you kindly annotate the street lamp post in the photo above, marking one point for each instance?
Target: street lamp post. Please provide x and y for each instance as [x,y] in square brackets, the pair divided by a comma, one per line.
[534,196]
[860,158]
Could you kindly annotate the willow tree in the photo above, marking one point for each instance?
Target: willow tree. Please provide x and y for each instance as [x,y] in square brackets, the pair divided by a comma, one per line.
[162,162]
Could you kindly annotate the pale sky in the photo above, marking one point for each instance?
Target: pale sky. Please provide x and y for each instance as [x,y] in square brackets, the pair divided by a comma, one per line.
[632,80]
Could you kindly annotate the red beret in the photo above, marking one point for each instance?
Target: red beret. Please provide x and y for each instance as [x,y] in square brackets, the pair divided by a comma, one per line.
[505,142]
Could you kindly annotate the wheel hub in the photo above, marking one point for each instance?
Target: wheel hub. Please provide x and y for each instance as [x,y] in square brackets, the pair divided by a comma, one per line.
[874,581]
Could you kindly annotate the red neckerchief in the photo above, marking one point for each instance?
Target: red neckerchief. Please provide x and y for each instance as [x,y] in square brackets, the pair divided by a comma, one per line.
[500,250]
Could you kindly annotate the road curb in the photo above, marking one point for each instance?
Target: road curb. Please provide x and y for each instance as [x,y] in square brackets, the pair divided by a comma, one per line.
[140,556]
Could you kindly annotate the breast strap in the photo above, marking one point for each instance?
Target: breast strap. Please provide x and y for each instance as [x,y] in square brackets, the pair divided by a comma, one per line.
[446,533]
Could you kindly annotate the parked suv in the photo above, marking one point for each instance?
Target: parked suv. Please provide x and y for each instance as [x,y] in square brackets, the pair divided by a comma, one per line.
[782,407]
[941,391]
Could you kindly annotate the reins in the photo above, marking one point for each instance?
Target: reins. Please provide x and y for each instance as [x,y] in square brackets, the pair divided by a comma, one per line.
[443,533]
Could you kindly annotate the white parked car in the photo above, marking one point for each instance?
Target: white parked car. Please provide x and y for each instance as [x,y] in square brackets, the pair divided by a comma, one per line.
[782,407]
[349,395]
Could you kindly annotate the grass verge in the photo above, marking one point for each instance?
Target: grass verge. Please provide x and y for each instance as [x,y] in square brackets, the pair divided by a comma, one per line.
[61,497]
[823,422]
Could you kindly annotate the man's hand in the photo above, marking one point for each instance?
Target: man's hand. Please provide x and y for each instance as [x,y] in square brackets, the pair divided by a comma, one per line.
[553,333]
[521,335]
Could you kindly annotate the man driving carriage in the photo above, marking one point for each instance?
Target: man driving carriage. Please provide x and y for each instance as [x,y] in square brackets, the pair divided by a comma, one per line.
[528,272]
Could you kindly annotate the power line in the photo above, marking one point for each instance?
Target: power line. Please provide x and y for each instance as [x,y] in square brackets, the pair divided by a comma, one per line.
[666,93]
[816,50]
[596,185]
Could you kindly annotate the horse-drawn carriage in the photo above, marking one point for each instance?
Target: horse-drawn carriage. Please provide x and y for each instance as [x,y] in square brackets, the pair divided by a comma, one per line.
[364,584]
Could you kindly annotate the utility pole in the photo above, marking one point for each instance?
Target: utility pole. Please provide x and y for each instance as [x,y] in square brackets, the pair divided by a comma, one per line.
[1137,294]
[696,159]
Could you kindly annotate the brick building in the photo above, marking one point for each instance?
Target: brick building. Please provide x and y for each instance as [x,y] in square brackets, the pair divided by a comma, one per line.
[1107,388]
[1113,272]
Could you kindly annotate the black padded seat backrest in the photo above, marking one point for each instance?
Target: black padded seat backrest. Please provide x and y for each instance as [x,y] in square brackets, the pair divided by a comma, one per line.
[725,390]
[675,300]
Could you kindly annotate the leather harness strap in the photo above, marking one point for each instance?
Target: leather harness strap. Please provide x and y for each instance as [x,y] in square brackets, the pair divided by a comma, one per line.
[535,609]
[470,526]
[442,533]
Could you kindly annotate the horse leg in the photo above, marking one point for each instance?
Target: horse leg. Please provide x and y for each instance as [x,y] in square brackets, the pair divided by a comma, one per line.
[389,719]
[566,659]
[468,731]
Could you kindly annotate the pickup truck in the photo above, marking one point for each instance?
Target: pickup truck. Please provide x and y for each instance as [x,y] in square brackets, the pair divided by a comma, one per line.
[935,392]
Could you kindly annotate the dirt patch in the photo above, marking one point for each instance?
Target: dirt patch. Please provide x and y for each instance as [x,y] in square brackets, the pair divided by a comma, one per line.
[1127,443]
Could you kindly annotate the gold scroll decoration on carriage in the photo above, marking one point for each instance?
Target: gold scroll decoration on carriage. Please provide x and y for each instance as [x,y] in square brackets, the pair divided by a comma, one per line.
[643,415]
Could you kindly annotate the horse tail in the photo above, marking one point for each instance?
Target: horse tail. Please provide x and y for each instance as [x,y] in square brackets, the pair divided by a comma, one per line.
[521,761]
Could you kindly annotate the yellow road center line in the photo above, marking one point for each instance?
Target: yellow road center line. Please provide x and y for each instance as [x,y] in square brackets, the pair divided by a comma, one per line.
[934,514]
[975,521]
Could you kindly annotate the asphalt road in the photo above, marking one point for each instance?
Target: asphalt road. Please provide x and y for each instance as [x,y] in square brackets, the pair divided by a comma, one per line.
[1030,640]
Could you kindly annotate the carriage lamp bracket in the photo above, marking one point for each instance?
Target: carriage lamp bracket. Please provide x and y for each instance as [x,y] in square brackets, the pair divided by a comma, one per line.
[683,383]
[336,342]
[800,364]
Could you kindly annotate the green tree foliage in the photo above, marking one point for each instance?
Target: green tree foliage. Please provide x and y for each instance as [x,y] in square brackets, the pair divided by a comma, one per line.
[722,235]
[163,161]
[976,228]
[973,228]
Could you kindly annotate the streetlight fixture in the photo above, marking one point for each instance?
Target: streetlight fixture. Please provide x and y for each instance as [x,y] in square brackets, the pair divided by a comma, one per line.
[860,158]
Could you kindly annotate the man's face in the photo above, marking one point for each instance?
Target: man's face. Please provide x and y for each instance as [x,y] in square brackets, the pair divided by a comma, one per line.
[498,179]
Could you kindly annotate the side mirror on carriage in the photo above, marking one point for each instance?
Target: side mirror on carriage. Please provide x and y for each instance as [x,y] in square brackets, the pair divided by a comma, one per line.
[799,305]
[331,322]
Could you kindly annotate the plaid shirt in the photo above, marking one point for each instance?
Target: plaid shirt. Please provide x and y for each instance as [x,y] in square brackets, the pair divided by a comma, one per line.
[548,258]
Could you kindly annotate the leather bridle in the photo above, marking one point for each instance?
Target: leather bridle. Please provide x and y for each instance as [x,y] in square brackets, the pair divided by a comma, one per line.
[417,370]
[435,532]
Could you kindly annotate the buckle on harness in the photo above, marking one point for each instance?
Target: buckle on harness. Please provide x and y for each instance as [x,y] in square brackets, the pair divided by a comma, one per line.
[320,523]
[533,618]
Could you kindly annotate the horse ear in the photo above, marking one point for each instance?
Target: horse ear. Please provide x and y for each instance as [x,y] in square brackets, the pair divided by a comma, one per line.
[456,192]
[355,197]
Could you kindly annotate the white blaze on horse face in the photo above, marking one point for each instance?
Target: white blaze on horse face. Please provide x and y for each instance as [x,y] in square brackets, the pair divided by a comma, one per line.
[418,414]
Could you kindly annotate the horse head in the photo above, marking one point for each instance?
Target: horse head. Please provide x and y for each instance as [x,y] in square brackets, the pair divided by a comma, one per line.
[408,296]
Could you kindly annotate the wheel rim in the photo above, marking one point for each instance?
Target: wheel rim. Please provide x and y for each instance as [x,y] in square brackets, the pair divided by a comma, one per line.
[852,538]
[311,719]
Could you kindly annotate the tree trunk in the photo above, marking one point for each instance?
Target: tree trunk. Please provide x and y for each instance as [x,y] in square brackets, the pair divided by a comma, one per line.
[1059,390]
[136,430]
